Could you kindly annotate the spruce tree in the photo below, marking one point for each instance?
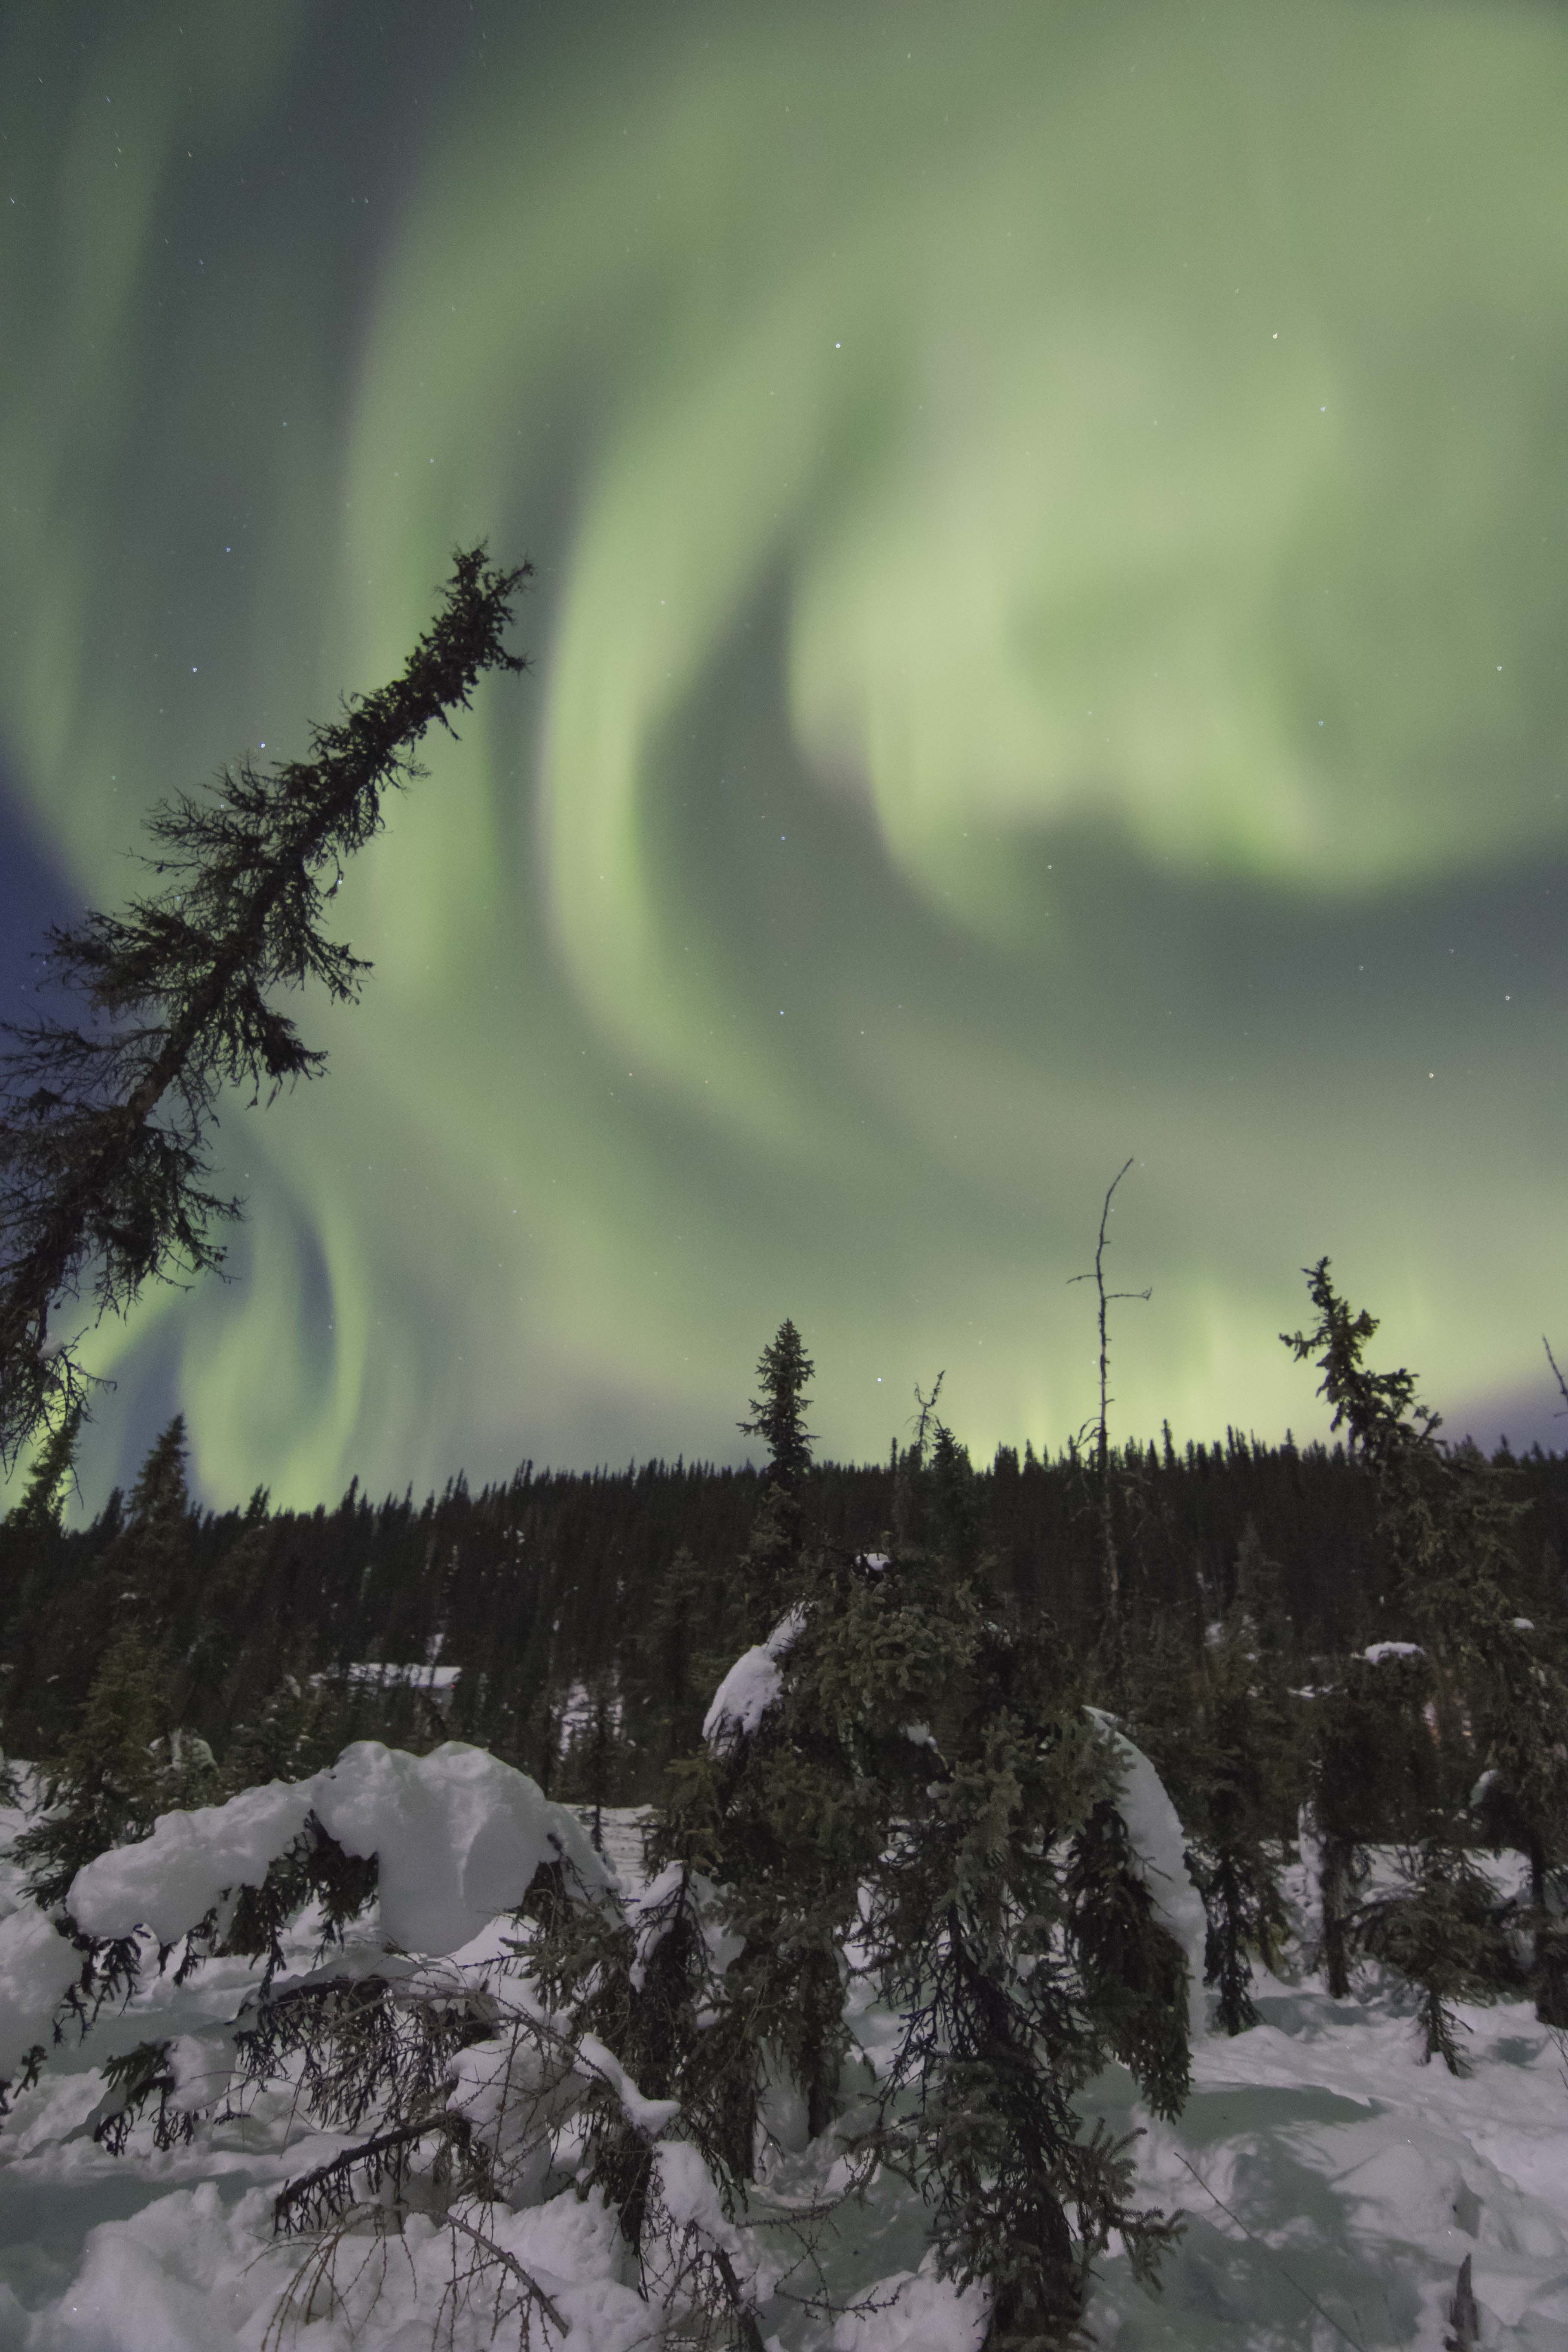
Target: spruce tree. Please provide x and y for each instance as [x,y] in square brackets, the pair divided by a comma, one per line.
[29,1536]
[1011,1933]
[1370,1780]
[43,1499]
[1447,1520]
[1243,1774]
[104,1129]
[770,1567]
[782,1371]
[150,1564]
[683,1650]
[144,1575]
[1441,1928]
[299,1728]
[107,1785]
[913,1778]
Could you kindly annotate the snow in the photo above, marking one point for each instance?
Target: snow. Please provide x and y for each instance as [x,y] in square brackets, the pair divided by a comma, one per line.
[439,1681]
[1158,1847]
[1332,2184]
[1365,2176]
[37,1964]
[1377,1653]
[922,2314]
[751,1686]
[458,1834]
[172,1879]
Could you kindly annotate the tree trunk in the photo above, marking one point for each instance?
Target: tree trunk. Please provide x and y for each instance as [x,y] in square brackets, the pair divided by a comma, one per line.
[1335,1879]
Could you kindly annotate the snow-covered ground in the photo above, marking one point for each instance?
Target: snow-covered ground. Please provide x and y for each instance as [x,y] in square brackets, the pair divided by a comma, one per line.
[1332,2186]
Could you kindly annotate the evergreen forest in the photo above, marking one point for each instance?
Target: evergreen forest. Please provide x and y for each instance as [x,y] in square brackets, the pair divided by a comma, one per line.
[628,1587]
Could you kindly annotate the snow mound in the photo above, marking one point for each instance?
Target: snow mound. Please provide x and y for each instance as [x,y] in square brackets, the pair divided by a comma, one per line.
[170,1880]
[919,2312]
[37,1964]
[458,1836]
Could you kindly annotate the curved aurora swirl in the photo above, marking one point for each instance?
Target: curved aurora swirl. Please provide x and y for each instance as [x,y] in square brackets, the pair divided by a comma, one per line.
[1049,545]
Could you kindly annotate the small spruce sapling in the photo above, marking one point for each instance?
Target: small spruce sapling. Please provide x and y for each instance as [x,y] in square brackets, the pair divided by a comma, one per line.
[1441,1929]
[110,1780]
[1242,1769]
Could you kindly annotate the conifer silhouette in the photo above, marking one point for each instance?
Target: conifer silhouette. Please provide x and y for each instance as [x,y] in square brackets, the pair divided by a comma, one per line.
[1446,1519]
[782,1371]
[770,1568]
[104,1129]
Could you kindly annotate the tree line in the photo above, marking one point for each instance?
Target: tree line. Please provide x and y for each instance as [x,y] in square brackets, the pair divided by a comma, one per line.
[555,1581]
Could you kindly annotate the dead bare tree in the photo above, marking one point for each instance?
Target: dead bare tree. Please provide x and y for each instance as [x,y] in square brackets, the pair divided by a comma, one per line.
[1102,1426]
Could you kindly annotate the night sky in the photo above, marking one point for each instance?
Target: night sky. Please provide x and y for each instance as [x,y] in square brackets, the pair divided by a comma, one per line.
[1050,647]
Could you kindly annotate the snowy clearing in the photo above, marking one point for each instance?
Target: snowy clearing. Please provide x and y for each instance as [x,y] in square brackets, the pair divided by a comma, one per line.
[1332,2186]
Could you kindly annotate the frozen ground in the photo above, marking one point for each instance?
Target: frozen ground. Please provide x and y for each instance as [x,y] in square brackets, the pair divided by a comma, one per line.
[1332,2186]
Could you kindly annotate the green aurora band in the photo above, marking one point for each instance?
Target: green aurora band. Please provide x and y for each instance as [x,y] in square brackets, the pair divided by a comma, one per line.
[1049,646]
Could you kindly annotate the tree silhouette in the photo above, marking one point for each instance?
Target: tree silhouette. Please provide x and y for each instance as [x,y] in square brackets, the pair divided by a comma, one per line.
[103,1130]
[779,1413]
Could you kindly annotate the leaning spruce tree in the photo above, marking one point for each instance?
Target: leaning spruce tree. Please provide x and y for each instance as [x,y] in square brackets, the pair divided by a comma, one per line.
[104,1128]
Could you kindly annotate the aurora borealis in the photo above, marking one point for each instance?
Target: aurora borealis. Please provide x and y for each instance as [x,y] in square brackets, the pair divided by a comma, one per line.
[1049,646]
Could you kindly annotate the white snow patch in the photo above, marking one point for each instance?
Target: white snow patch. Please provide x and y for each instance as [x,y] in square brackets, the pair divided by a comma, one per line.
[457,1835]
[689,2195]
[922,2314]
[751,1686]
[1158,1846]
[170,1880]
[439,1681]
[37,1964]
[1376,1654]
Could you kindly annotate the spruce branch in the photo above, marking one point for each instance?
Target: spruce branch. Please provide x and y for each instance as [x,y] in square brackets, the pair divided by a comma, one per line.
[104,1129]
